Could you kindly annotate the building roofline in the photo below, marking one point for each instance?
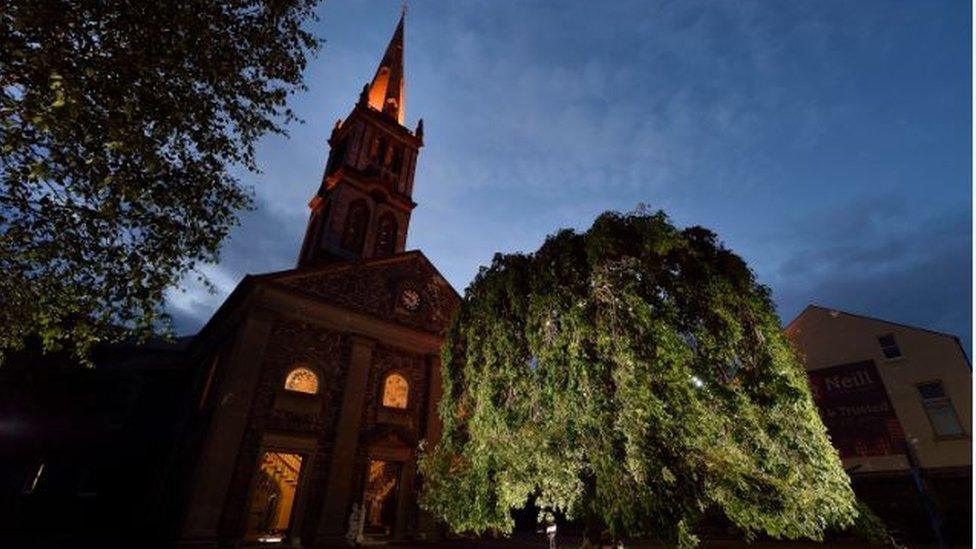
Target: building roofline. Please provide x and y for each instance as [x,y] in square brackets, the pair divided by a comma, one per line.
[232,300]
[351,264]
[866,317]
[249,281]
[954,337]
[797,317]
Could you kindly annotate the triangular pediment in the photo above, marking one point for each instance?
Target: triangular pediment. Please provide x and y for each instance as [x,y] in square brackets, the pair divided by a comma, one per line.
[405,288]
[391,437]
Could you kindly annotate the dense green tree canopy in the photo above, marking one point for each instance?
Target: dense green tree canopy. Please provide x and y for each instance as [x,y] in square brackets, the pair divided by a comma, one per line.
[634,377]
[119,121]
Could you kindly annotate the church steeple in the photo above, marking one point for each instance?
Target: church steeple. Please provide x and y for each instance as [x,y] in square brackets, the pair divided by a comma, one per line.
[362,208]
[386,90]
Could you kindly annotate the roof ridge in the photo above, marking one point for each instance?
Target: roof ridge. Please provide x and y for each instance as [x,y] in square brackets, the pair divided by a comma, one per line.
[868,317]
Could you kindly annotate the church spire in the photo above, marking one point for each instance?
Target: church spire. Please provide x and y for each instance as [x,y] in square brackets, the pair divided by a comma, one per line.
[386,93]
[363,205]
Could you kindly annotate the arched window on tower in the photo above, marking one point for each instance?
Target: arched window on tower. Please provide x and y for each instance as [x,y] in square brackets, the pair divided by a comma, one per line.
[374,149]
[302,380]
[386,236]
[396,391]
[354,231]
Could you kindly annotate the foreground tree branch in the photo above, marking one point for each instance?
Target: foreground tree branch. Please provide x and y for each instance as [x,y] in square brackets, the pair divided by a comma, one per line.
[119,122]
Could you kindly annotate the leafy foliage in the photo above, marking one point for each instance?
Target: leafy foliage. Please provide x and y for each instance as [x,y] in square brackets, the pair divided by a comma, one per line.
[119,122]
[634,377]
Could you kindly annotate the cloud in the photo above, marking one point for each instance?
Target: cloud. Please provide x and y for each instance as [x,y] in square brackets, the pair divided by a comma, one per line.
[826,143]
[860,260]
[266,241]
[192,302]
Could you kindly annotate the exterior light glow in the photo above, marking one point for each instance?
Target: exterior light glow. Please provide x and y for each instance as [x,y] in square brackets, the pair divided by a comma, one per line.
[35,480]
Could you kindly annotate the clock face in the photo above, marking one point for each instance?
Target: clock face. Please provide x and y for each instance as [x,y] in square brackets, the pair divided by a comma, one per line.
[410,299]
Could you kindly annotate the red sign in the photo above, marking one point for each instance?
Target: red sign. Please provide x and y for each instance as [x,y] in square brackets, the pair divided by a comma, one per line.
[855,408]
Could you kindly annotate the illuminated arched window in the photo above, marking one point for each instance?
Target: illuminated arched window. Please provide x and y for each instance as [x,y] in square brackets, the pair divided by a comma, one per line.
[395,391]
[386,236]
[302,380]
[354,231]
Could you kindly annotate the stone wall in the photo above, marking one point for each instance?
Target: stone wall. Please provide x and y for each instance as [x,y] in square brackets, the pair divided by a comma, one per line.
[291,343]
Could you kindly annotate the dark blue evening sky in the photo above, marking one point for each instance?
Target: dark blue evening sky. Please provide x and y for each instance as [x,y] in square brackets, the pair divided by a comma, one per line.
[827,142]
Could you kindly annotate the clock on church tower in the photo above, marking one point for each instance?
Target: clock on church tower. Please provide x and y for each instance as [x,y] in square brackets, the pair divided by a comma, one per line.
[411,300]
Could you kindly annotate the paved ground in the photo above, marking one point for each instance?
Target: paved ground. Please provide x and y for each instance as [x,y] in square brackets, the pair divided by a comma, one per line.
[538,542]
[567,544]
[518,541]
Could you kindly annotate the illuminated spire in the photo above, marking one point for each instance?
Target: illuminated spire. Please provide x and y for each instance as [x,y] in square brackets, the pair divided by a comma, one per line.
[386,92]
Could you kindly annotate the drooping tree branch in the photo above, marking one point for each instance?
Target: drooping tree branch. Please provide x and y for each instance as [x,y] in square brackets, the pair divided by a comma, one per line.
[633,376]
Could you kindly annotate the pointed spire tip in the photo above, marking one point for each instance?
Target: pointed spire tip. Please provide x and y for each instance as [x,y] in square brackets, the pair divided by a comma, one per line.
[386,92]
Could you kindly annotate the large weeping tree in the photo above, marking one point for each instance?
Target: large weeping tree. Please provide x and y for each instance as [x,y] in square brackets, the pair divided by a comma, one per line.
[633,378]
[120,122]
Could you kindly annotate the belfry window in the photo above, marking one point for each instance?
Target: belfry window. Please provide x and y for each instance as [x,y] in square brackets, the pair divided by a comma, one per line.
[302,380]
[354,231]
[396,391]
[374,149]
[386,236]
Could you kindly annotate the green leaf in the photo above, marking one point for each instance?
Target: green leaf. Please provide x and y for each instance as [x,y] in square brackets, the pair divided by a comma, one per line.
[117,159]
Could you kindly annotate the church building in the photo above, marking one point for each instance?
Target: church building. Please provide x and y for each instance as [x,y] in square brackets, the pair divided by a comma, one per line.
[314,386]
[293,417]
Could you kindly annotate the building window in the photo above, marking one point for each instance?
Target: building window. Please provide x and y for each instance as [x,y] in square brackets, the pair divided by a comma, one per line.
[386,236]
[939,408]
[354,231]
[889,347]
[395,391]
[302,380]
[374,149]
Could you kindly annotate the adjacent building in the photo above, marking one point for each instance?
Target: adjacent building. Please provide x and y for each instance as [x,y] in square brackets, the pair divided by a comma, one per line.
[897,402]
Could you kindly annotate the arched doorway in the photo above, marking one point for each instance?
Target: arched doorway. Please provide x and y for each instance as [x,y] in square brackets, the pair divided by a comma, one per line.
[381,497]
[269,512]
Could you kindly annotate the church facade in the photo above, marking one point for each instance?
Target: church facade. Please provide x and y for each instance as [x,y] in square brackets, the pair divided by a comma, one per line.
[314,386]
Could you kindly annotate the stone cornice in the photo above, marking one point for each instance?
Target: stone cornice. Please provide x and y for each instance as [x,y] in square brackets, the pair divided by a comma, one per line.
[309,308]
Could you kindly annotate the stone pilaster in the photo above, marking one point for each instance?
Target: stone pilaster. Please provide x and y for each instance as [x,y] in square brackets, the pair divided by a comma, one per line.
[338,493]
[219,455]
